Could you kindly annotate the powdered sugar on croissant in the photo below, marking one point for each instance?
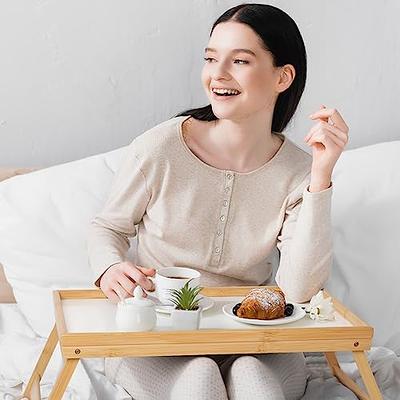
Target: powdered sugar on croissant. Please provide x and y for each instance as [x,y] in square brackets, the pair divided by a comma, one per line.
[263,303]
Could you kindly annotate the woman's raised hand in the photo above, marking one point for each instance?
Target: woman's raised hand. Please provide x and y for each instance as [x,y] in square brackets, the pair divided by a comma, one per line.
[119,280]
[328,138]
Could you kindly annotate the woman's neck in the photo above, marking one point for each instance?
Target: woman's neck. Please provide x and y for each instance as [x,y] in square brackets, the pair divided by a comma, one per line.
[245,143]
[236,152]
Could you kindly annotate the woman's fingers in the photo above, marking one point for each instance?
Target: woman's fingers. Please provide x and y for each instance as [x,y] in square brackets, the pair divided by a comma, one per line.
[326,139]
[147,271]
[126,283]
[120,291]
[138,276]
[334,115]
[322,107]
[338,136]
[111,295]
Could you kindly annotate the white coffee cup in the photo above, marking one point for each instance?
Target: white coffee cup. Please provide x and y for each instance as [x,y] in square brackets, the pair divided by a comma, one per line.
[173,278]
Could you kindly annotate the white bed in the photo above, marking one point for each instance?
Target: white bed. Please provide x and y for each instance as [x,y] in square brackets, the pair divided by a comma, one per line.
[42,246]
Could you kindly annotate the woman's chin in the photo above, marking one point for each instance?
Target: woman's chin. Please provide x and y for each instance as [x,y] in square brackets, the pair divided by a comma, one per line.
[224,112]
[228,106]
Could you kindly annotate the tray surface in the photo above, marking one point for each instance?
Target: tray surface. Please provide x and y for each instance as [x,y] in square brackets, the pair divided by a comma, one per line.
[98,315]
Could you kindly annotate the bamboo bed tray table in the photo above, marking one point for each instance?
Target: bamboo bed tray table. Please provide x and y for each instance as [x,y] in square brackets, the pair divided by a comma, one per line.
[85,327]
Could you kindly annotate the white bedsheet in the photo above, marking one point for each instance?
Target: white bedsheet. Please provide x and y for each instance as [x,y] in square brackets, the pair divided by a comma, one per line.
[20,349]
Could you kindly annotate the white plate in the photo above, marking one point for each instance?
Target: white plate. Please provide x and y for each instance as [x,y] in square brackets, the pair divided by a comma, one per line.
[206,303]
[298,313]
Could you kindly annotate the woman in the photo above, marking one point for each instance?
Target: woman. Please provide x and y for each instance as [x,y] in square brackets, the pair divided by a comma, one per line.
[217,189]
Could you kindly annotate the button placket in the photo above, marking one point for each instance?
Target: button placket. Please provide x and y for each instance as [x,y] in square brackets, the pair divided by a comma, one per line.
[219,237]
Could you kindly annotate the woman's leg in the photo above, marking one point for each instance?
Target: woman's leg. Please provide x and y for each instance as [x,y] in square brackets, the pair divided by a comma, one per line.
[278,376]
[169,377]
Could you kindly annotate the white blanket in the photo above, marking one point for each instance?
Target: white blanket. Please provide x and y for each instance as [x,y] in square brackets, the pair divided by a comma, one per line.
[20,348]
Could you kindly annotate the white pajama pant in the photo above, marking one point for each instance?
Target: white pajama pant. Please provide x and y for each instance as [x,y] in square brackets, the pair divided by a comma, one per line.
[272,376]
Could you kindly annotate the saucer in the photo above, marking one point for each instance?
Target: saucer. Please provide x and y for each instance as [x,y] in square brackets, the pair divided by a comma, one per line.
[205,303]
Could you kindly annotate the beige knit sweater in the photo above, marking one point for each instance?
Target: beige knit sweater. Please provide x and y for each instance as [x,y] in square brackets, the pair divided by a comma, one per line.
[221,222]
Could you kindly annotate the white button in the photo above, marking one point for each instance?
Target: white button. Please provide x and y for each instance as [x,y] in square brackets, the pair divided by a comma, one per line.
[217,249]
[229,176]
[225,203]
[219,233]
[227,189]
[222,217]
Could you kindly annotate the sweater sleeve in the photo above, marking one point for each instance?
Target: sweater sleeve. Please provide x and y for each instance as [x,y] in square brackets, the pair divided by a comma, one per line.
[109,231]
[305,243]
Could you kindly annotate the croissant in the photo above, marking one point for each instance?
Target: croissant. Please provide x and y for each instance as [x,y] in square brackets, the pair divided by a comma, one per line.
[263,303]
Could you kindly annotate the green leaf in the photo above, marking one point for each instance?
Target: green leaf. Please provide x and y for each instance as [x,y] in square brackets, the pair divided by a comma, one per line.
[186,297]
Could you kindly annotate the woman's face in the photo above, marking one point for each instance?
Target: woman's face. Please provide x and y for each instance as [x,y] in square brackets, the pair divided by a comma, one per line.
[254,76]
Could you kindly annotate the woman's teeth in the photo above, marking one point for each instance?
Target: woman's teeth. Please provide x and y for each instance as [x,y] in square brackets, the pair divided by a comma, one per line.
[226,92]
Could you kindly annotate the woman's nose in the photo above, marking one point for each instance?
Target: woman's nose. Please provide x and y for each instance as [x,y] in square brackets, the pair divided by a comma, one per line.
[219,71]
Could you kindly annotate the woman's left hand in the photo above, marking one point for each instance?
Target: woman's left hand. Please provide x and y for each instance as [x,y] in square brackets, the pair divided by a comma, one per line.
[328,137]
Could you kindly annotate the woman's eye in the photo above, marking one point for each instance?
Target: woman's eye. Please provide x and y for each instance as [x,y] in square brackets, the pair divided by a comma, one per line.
[240,61]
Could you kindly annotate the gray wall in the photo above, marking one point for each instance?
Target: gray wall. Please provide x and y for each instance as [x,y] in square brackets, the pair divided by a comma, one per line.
[79,78]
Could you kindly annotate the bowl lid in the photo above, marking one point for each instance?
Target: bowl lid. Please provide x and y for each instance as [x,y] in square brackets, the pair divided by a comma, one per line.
[137,299]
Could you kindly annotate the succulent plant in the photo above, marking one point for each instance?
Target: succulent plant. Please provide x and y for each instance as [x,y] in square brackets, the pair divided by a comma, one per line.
[186,297]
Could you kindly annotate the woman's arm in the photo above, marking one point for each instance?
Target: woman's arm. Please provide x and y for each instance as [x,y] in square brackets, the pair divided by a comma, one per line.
[305,239]
[305,243]
[109,231]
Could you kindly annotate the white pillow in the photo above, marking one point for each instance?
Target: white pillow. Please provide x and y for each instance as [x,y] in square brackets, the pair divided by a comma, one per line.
[366,238]
[45,217]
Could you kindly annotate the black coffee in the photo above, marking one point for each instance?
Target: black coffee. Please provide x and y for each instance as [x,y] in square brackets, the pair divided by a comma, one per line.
[177,277]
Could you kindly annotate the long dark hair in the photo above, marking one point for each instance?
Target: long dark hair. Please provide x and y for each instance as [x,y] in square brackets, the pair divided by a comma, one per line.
[281,37]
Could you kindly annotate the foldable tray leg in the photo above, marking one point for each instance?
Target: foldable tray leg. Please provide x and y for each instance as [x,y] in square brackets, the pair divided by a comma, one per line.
[63,378]
[32,390]
[366,374]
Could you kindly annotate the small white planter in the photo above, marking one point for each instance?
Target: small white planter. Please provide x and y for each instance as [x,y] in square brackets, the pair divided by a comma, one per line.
[186,319]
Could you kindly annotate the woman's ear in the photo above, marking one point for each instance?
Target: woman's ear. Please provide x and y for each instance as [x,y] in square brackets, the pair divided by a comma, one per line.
[286,77]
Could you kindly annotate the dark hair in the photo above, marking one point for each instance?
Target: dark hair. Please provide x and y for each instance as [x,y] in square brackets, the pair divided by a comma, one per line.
[281,37]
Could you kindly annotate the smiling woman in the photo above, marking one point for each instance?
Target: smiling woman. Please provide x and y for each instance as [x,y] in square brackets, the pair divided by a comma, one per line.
[217,189]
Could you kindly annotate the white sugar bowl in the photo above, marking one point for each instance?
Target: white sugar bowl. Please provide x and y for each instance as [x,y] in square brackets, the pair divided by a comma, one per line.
[136,313]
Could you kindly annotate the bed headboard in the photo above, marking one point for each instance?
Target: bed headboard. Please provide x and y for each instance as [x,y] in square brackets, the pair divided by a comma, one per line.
[6,293]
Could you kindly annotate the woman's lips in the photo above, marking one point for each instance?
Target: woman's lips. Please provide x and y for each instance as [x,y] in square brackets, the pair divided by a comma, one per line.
[223,98]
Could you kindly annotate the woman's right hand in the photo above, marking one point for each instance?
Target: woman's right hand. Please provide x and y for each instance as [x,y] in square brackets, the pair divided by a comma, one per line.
[119,280]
